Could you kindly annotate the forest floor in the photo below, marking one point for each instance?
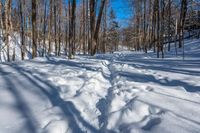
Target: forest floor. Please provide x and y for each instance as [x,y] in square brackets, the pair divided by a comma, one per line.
[121,92]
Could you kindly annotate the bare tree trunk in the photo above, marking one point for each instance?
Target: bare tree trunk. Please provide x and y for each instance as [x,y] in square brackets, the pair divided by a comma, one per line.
[34,38]
[74,27]
[8,21]
[154,27]
[138,26]
[176,34]
[1,23]
[22,30]
[162,27]
[84,29]
[38,27]
[50,26]
[182,21]
[104,30]
[72,30]
[66,31]
[158,27]
[59,28]
[1,17]
[150,25]
[44,29]
[96,33]
[88,27]
[92,23]
[55,28]
[169,24]
[144,30]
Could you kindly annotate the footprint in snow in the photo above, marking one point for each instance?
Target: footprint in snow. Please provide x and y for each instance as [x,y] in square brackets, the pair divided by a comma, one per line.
[151,123]
[155,111]
[149,89]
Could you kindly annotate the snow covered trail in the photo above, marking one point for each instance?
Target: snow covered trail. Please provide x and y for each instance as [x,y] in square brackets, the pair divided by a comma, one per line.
[148,94]
[123,92]
[155,97]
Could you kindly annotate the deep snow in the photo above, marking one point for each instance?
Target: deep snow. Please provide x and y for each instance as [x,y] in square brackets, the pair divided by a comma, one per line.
[122,92]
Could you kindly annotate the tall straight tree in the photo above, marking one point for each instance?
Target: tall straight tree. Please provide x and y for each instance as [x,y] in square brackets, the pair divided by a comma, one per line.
[34,38]
[169,24]
[50,26]
[55,27]
[1,17]
[162,27]
[183,12]
[21,8]
[59,27]
[44,28]
[157,11]
[144,28]
[95,30]
[84,27]
[137,11]
[92,22]
[66,30]
[72,26]
[8,24]
[1,24]
[87,26]
[104,42]
[70,30]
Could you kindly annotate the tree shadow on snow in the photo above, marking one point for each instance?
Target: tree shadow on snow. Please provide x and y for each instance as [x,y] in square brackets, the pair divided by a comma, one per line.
[20,105]
[144,78]
[51,92]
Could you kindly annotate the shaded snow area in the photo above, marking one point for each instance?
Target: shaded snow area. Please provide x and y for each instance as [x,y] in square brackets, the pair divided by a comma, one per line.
[125,92]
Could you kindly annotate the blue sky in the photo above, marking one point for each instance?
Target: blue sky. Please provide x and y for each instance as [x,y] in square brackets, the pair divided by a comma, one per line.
[122,10]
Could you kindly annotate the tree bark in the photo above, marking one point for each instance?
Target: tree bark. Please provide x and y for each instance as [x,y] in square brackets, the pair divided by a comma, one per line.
[8,21]
[94,46]
[22,29]
[182,21]
[44,29]
[34,45]
[50,26]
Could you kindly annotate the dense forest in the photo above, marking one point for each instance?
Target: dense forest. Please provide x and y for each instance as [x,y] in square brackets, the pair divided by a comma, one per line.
[57,27]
